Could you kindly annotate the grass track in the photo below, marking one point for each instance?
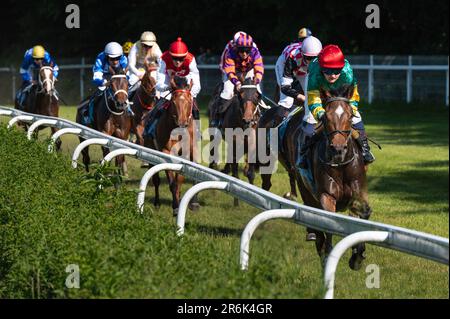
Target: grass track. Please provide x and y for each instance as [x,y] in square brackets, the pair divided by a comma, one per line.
[408,187]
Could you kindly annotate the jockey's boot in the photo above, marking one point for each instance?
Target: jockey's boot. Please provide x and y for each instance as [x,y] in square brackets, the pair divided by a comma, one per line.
[279,116]
[308,139]
[364,144]
[302,161]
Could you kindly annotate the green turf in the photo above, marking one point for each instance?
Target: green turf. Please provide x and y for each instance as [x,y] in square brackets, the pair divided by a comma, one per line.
[127,255]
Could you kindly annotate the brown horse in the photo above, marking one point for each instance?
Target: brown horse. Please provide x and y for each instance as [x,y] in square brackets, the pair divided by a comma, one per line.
[283,157]
[174,134]
[110,114]
[336,178]
[42,98]
[143,102]
[243,113]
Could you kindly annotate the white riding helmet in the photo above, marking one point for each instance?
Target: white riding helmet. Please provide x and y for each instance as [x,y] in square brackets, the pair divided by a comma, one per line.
[148,38]
[113,50]
[237,35]
[311,46]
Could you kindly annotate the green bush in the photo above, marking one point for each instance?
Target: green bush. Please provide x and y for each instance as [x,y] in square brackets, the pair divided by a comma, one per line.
[51,218]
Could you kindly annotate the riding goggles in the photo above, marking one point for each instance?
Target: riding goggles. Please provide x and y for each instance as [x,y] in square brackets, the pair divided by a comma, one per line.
[178,59]
[244,50]
[309,57]
[332,71]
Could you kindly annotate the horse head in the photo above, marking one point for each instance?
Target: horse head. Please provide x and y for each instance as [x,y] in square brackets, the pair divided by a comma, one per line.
[46,79]
[248,100]
[148,82]
[118,84]
[337,122]
[182,100]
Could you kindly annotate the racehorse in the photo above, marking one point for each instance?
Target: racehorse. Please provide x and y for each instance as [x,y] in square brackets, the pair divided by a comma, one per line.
[176,119]
[283,157]
[243,113]
[110,115]
[143,102]
[336,176]
[42,98]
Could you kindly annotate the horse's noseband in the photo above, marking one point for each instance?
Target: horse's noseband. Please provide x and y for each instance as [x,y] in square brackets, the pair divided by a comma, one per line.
[255,101]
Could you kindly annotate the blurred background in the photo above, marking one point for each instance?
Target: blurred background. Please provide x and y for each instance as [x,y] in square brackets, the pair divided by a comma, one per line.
[411,34]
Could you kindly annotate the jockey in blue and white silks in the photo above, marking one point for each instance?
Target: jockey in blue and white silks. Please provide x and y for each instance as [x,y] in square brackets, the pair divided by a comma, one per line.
[111,56]
[33,60]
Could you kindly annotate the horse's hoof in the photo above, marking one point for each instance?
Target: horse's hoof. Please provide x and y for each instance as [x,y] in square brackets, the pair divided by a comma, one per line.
[194,206]
[213,166]
[175,212]
[157,205]
[311,237]
[355,262]
[289,196]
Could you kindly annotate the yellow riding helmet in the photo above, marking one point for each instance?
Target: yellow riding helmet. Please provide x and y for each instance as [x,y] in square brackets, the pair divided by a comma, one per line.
[38,52]
[304,33]
[126,47]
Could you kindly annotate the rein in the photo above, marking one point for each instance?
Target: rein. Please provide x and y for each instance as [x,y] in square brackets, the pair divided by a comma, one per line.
[257,104]
[42,82]
[113,95]
[190,95]
[347,133]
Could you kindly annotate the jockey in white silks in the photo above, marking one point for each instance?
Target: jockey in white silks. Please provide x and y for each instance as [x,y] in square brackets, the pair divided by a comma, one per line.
[144,50]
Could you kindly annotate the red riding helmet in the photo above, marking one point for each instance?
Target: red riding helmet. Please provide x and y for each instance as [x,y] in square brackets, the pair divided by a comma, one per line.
[331,57]
[178,48]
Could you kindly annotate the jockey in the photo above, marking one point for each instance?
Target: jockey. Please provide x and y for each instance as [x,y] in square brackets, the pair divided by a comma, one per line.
[303,33]
[126,47]
[34,59]
[293,80]
[240,57]
[112,56]
[330,71]
[178,61]
[145,49]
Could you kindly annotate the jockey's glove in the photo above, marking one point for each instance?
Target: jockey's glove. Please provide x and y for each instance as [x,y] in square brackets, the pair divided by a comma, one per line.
[320,114]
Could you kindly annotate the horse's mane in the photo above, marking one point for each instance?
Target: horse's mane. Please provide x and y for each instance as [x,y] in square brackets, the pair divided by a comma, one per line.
[181,82]
[345,90]
[118,70]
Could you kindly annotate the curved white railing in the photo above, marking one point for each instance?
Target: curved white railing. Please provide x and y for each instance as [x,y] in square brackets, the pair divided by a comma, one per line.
[408,241]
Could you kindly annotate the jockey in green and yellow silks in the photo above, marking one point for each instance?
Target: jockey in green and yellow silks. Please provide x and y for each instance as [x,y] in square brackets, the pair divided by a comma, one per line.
[330,71]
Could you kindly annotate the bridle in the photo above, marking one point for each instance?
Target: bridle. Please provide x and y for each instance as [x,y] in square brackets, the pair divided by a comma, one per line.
[188,92]
[346,133]
[257,111]
[42,82]
[114,94]
[150,95]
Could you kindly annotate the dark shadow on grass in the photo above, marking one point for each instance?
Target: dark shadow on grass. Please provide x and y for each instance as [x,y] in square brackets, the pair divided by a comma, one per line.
[217,231]
[421,186]
[413,124]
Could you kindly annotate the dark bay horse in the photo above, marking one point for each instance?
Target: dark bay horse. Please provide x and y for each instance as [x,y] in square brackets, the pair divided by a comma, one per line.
[143,102]
[243,113]
[42,98]
[174,134]
[285,158]
[110,114]
[336,178]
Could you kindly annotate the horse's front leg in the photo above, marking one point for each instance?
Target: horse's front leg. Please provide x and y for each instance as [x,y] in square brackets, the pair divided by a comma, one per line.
[328,203]
[360,207]
[58,141]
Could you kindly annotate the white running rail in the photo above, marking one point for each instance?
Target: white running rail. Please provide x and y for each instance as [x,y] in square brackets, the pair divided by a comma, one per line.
[409,241]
